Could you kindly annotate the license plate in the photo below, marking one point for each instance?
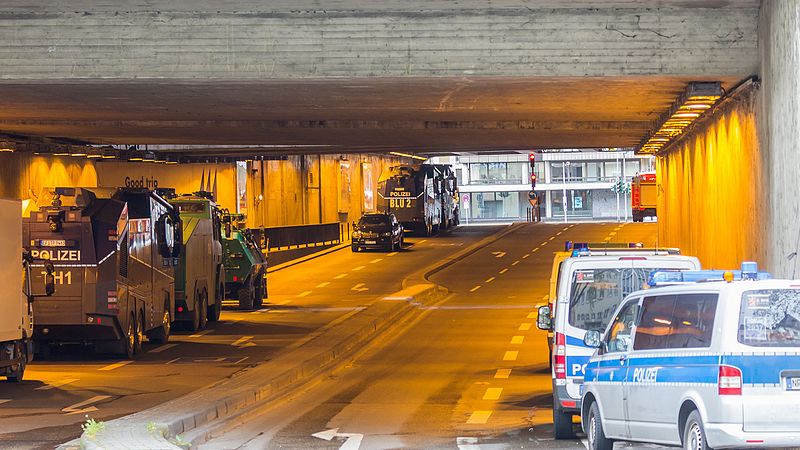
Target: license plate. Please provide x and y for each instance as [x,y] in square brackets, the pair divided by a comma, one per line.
[793,384]
[370,242]
[53,243]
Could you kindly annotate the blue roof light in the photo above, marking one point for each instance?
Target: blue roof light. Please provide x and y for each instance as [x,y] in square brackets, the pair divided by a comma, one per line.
[665,277]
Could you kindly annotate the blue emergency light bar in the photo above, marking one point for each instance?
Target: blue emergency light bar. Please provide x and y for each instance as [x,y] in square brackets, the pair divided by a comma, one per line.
[749,272]
[572,246]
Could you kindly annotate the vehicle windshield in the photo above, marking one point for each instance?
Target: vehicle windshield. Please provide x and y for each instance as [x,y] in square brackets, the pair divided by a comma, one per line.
[191,207]
[596,293]
[770,318]
[374,220]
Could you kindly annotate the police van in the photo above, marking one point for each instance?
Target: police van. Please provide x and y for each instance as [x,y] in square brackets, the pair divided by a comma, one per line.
[712,364]
[592,283]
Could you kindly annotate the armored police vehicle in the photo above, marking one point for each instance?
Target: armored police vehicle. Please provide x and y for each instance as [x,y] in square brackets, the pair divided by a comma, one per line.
[114,252]
[245,263]
[704,359]
[200,275]
[410,193]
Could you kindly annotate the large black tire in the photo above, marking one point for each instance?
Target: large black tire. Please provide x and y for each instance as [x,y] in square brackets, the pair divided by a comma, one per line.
[215,310]
[694,435]
[594,430]
[246,298]
[138,337]
[19,371]
[562,423]
[260,291]
[203,310]
[195,325]
[127,344]
[354,248]
[161,334]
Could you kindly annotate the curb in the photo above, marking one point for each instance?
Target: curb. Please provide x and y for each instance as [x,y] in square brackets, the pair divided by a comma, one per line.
[303,259]
[197,411]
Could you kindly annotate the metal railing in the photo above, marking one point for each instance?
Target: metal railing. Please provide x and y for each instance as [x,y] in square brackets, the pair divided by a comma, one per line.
[302,236]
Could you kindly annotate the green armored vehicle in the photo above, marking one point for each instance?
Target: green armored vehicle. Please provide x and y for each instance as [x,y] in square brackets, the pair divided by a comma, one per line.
[200,274]
[245,264]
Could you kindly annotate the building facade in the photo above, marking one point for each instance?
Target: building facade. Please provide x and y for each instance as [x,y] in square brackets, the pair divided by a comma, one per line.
[571,185]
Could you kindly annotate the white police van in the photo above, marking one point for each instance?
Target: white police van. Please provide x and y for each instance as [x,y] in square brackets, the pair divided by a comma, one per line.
[700,364]
[591,285]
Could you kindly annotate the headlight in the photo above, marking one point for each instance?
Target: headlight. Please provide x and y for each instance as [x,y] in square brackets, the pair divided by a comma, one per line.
[386,234]
[356,234]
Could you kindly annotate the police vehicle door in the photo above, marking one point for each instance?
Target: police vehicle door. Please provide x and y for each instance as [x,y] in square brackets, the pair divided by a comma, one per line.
[614,370]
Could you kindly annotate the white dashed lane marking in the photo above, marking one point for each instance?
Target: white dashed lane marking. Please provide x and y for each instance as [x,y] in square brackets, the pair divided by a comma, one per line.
[115,365]
[54,385]
[502,373]
[479,417]
[516,340]
[503,271]
[524,327]
[392,254]
[161,348]
[510,355]
[515,263]
[356,269]
[200,333]
[376,260]
[475,288]
[304,294]
[489,280]
[323,284]
[492,393]
[340,276]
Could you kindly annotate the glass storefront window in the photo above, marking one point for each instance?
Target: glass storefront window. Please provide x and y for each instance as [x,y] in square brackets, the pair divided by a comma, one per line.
[499,173]
[579,203]
[496,205]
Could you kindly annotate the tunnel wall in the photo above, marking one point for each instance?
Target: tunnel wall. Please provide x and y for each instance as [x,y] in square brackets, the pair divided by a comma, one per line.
[22,176]
[730,190]
[710,189]
[313,188]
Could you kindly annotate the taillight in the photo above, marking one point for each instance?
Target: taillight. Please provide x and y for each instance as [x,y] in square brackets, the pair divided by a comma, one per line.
[560,356]
[730,380]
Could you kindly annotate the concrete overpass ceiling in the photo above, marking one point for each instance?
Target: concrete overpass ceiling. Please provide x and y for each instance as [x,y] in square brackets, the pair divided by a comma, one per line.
[406,114]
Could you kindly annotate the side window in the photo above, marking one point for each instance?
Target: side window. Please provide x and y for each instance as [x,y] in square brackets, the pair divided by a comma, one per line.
[656,323]
[619,335]
[693,321]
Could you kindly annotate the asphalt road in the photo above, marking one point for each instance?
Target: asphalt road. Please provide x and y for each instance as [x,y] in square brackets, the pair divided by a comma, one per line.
[61,393]
[471,373]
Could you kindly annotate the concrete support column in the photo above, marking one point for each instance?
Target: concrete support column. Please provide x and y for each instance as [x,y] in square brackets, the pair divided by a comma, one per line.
[779,132]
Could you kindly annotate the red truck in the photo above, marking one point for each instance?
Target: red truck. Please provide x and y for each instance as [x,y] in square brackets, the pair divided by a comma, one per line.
[643,196]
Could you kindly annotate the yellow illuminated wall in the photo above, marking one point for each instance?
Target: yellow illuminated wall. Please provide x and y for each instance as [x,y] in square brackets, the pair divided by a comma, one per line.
[22,176]
[711,190]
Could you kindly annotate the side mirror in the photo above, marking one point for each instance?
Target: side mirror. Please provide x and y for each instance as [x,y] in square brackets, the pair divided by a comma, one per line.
[544,321]
[592,339]
[49,279]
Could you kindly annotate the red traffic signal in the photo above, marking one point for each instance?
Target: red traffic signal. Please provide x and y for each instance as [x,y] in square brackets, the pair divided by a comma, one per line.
[532,157]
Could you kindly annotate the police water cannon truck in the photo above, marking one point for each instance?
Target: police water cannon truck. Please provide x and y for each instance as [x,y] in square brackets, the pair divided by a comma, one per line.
[16,295]
[410,193]
[114,252]
[200,274]
[245,263]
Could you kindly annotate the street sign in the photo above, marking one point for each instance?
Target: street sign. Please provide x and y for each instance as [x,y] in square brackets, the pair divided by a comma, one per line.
[465,198]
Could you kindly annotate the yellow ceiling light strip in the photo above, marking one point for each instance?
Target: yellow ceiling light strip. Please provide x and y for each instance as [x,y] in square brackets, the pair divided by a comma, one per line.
[698,98]
[408,155]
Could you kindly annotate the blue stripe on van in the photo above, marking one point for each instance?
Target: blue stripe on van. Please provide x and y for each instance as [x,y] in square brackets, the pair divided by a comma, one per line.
[572,340]
[756,369]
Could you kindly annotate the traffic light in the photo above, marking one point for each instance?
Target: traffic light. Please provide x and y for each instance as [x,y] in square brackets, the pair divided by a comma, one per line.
[532,160]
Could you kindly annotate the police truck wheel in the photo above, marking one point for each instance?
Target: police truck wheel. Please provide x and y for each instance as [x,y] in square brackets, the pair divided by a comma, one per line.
[594,431]
[216,309]
[161,334]
[562,423]
[19,371]
[128,341]
[354,248]
[194,325]
[203,310]
[138,334]
[245,298]
[694,436]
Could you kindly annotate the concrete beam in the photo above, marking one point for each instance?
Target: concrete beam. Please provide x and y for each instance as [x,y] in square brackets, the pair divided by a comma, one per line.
[90,40]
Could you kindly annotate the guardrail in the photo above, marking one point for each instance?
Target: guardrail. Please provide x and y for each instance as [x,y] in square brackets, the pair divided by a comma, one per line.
[302,236]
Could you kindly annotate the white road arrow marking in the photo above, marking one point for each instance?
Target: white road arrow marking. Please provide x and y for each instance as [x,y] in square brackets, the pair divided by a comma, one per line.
[244,341]
[353,440]
[78,408]
[360,287]
[499,254]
